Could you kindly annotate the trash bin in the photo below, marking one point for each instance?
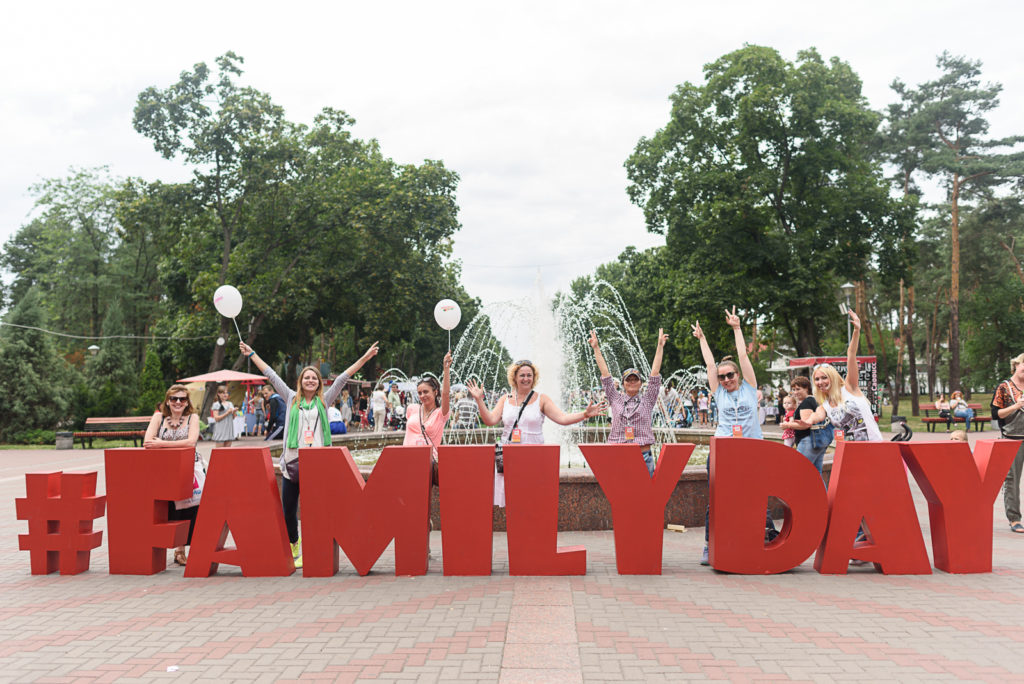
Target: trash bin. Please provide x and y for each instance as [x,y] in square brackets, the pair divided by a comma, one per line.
[65,440]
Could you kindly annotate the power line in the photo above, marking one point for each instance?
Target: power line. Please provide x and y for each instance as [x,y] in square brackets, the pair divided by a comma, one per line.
[105,337]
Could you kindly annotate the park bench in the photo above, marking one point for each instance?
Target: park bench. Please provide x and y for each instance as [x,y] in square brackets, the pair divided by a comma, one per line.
[129,427]
[932,418]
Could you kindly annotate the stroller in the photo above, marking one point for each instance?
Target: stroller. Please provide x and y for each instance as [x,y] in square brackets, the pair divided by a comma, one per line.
[396,421]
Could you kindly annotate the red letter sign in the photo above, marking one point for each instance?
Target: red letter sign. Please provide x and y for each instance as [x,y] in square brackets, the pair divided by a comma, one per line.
[960,489]
[140,482]
[241,494]
[869,483]
[339,507]
[744,473]
[531,514]
[638,500]
[466,481]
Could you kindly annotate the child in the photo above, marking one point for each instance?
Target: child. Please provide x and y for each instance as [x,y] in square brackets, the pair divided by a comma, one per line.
[958,436]
[789,406]
[222,413]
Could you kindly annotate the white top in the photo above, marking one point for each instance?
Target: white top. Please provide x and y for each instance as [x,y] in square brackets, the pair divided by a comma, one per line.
[379,400]
[854,418]
[531,425]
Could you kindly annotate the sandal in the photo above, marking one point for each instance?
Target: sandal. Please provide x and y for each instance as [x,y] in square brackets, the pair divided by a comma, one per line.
[181,559]
[1017,527]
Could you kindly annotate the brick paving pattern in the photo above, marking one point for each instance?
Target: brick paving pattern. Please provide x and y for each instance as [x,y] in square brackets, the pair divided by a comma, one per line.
[689,624]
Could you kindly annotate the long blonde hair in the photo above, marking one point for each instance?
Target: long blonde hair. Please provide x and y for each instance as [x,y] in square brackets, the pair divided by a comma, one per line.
[835,385]
[319,387]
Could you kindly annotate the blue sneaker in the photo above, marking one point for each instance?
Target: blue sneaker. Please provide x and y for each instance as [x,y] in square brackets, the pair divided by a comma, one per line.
[704,557]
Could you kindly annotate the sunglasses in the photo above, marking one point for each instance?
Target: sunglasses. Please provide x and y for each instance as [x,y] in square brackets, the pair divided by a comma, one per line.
[726,376]
[523,362]
[178,400]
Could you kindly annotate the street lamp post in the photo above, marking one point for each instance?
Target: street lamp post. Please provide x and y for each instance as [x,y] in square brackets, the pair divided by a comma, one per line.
[847,289]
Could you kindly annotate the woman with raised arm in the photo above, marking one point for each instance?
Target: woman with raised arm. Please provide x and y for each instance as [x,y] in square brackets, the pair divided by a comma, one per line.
[522,412]
[841,401]
[734,387]
[425,422]
[305,425]
[632,411]
[175,425]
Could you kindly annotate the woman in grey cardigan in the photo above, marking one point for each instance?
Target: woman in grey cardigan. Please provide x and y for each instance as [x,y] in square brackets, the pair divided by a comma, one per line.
[306,425]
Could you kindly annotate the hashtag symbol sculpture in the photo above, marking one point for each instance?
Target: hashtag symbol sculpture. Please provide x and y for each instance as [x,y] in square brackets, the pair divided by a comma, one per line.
[60,509]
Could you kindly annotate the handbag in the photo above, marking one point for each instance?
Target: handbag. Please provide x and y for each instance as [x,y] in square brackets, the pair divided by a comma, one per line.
[1013,427]
[198,482]
[499,460]
[821,434]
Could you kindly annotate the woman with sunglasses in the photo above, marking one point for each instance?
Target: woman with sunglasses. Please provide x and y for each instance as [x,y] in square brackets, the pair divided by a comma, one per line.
[305,425]
[736,398]
[632,412]
[175,425]
[522,413]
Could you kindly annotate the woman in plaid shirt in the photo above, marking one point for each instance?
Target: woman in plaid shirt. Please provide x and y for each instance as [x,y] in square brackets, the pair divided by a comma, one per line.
[631,410]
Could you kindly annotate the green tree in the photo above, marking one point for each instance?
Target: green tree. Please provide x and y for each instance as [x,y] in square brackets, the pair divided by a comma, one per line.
[151,383]
[949,129]
[764,185]
[34,379]
[112,373]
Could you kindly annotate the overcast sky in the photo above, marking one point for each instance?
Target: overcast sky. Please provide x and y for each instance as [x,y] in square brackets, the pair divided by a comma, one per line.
[535,104]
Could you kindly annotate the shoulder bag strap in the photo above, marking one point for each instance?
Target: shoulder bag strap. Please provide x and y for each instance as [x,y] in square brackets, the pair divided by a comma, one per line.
[521,409]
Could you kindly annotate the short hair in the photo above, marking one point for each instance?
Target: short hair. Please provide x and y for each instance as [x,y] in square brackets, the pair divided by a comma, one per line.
[1016,361]
[514,368]
[165,406]
[801,381]
[958,436]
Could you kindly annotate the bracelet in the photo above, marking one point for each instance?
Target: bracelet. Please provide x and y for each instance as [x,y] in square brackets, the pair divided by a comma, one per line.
[251,354]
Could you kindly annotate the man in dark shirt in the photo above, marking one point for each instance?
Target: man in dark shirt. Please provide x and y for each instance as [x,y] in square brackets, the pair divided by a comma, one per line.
[275,413]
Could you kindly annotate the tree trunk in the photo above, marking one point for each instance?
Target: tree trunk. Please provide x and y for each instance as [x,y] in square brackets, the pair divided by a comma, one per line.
[898,370]
[954,290]
[915,392]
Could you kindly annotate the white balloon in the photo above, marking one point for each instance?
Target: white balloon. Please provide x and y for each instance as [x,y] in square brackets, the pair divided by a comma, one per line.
[221,341]
[447,314]
[228,301]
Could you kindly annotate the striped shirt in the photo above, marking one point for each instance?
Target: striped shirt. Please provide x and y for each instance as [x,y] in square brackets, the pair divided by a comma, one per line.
[635,412]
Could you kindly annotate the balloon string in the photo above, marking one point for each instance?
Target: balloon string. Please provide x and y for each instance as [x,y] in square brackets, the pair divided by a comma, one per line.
[449,340]
[237,330]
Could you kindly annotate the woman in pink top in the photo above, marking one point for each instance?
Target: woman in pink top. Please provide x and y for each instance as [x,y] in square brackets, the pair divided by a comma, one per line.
[425,422]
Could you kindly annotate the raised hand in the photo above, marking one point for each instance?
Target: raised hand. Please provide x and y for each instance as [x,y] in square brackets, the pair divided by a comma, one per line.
[662,337]
[854,318]
[595,409]
[448,360]
[475,390]
[697,332]
[732,319]
[371,352]
[593,339]
[244,348]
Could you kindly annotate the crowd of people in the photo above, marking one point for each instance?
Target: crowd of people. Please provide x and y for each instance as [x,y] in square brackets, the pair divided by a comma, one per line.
[815,412]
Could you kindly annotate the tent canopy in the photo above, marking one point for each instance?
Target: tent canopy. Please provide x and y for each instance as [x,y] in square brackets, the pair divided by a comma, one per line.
[227,376]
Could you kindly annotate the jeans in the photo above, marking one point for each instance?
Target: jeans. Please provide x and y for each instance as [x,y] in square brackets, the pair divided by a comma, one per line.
[815,456]
[967,414]
[1011,487]
[649,461]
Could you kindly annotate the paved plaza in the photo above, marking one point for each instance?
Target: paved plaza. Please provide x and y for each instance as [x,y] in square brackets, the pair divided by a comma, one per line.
[690,623]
